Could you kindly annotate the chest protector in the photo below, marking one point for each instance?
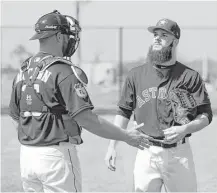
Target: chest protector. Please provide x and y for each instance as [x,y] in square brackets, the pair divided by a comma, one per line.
[31,100]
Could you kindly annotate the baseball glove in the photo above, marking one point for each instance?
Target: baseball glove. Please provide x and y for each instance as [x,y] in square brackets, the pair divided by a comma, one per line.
[183,106]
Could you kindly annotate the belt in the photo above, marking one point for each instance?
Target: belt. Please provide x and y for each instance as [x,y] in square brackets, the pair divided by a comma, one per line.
[164,145]
[37,114]
[29,114]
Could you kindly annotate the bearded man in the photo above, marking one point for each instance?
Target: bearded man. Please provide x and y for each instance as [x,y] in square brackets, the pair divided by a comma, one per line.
[172,102]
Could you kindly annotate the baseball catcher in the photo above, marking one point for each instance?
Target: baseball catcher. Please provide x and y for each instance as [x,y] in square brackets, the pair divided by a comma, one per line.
[50,103]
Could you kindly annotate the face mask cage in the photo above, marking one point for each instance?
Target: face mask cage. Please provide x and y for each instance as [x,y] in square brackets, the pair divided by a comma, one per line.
[72,29]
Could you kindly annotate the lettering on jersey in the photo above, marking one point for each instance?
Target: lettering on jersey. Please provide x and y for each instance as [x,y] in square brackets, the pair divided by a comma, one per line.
[24,87]
[20,77]
[45,76]
[80,90]
[36,87]
[162,93]
[146,95]
[30,70]
[151,93]
[140,101]
[40,74]
[28,99]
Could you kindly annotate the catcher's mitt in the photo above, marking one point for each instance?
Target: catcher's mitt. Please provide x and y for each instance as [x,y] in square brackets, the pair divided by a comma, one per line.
[183,106]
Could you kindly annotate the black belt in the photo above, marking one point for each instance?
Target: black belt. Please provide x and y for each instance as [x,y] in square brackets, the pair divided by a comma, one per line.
[164,145]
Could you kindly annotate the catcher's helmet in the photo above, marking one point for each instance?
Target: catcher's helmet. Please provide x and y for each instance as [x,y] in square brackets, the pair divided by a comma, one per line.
[55,22]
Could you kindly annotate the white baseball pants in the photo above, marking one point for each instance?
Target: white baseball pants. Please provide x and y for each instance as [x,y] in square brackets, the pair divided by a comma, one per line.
[171,167]
[50,169]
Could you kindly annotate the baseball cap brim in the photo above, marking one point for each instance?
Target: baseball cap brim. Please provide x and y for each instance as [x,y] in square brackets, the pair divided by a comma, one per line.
[43,34]
[153,28]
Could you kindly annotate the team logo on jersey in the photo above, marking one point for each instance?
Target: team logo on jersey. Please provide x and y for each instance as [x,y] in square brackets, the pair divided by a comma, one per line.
[28,99]
[80,90]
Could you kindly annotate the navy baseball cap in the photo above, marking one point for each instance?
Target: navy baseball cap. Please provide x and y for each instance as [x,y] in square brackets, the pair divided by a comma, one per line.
[54,22]
[167,25]
[48,25]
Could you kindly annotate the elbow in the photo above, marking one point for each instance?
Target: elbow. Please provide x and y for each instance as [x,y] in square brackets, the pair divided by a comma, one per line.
[206,111]
[210,118]
[207,119]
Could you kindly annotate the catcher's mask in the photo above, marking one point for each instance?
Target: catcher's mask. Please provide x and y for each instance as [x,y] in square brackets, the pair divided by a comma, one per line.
[54,22]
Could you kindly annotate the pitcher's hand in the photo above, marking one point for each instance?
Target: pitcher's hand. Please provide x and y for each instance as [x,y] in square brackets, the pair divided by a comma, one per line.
[175,134]
[110,158]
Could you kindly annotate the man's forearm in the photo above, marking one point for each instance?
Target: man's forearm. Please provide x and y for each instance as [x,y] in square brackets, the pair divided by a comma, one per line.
[99,126]
[121,122]
[197,124]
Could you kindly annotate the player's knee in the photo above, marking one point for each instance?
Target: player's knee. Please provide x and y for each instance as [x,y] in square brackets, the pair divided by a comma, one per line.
[154,185]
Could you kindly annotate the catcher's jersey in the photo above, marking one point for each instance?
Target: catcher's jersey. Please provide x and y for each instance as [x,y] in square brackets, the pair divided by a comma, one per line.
[58,88]
[146,91]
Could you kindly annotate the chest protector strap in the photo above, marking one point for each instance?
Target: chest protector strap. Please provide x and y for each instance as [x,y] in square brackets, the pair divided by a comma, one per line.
[31,101]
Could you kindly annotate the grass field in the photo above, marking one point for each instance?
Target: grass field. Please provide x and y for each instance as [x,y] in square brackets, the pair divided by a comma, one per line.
[96,177]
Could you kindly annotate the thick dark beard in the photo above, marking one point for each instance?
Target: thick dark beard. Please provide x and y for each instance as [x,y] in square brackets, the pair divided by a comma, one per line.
[157,57]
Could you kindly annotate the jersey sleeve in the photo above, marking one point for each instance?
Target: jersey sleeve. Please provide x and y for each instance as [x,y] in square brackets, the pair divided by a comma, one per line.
[14,103]
[205,110]
[198,90]
[75,95]
[127,99]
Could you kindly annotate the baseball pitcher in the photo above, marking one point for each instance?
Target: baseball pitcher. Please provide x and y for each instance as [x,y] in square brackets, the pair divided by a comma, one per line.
[172,102]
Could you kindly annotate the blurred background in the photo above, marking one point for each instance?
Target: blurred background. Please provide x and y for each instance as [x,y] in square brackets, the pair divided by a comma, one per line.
[114,39]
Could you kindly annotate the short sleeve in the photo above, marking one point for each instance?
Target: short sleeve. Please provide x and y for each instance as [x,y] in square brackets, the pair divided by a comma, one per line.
[14,103]
[74,95]
[199,91]
[127,100]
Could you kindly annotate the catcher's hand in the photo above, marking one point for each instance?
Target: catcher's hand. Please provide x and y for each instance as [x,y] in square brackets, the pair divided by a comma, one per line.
[183,106]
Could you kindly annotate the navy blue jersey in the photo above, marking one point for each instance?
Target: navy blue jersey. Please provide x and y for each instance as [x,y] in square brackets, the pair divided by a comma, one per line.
[61,92]
[146,93]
